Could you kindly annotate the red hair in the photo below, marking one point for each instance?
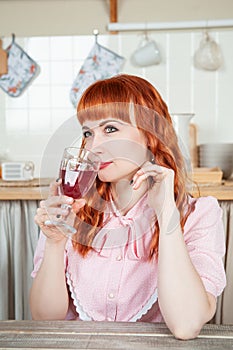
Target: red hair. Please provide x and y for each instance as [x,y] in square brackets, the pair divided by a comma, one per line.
[118,95]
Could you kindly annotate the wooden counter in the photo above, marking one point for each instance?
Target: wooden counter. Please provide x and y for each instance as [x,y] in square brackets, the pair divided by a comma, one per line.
[107,335]
[35,189]
[22,193]
[221,192]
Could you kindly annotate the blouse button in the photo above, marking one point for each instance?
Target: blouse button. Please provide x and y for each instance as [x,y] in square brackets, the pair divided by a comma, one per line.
[119,258]
[111,295]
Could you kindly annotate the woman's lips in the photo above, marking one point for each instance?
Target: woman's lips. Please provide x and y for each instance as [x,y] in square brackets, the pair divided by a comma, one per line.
[104,165]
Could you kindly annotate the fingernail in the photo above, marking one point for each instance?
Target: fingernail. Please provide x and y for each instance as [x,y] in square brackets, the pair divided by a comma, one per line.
[57,180]
[69,200]
[131,182]
[58,216]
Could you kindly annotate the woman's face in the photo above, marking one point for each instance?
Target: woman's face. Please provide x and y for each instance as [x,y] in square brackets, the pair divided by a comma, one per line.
[121,147]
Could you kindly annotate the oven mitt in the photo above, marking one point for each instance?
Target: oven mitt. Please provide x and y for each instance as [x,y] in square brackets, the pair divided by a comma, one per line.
[101,63]
[21,70]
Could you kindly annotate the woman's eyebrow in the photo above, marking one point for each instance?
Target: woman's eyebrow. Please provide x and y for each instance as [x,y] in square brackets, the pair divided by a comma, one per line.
[110,121]
[104,122]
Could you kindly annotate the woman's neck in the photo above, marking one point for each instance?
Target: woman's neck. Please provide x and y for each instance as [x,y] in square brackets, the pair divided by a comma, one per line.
[124,196]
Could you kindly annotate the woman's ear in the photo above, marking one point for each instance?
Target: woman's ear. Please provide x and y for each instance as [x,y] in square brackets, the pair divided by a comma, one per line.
[150,155]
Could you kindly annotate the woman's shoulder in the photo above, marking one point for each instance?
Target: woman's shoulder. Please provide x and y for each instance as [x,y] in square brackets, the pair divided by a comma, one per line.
[205,206]
[206,212]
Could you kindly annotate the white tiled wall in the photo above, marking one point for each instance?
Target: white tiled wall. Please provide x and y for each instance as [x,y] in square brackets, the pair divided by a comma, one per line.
[28,122]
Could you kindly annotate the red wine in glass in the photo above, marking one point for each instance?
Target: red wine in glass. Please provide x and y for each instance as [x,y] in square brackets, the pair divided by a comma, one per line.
[76,183]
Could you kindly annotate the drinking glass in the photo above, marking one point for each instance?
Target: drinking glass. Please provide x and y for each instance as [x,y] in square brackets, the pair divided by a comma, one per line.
[78,171]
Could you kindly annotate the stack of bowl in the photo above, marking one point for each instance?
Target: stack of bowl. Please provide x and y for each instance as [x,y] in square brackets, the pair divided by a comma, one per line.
[217,155]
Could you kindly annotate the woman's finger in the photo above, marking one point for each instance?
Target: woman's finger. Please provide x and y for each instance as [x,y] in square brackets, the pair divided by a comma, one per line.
[148,165]
[78,204]
[157,177]
[40,219]
[146,171]
[52,211]
[53,188]
[56,201]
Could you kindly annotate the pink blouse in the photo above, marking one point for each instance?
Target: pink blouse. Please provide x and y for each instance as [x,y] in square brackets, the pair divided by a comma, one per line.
[116,282]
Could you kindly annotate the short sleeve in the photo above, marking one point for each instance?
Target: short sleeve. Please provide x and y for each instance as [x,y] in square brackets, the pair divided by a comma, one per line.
[205,241]
[39,254]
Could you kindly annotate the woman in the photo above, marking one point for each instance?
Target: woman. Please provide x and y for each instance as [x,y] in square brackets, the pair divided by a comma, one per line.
[144,249]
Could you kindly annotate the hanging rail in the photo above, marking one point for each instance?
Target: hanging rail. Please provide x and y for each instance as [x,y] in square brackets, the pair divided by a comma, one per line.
[205,24]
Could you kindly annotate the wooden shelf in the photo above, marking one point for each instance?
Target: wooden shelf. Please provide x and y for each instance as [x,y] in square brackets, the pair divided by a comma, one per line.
[223,191]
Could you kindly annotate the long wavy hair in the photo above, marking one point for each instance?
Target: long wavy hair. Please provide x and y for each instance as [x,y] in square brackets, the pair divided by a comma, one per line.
[120,97]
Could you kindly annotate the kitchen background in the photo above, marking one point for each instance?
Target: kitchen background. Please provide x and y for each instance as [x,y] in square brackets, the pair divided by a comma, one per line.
[58,36]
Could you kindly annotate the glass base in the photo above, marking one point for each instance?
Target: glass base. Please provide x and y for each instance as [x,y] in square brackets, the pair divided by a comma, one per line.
[69,229]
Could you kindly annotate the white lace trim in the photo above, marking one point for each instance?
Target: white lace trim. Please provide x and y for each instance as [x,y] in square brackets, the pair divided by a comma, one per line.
[146,307]
[82,314]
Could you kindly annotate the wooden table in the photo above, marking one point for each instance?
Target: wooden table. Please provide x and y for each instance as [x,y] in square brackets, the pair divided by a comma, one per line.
[106,335]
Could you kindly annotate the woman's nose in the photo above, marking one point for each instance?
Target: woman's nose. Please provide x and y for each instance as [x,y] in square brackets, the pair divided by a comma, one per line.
[97,144]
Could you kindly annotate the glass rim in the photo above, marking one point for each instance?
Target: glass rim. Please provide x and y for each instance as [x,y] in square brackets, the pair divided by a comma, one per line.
[86,150]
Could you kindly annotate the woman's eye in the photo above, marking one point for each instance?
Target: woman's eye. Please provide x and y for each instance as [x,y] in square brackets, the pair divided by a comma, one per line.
[87,134]
[109,129]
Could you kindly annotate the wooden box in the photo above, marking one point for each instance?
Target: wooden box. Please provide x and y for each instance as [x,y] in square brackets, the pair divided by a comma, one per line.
[207,175]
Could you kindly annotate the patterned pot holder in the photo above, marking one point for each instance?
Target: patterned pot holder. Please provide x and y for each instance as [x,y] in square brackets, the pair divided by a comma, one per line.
[22,69]
[100,63]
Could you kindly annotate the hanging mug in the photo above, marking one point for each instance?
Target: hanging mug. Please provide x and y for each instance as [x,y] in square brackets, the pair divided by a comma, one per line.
[147,54]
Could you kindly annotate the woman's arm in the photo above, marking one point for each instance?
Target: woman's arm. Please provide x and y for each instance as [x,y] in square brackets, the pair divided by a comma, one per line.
[49,297]
[183,300]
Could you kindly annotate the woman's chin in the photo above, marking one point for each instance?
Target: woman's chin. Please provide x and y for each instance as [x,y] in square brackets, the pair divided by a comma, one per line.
[115,176]
[104,177]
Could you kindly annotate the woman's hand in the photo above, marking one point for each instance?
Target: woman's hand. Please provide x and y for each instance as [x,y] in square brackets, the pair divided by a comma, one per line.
[51,210]
[161,195]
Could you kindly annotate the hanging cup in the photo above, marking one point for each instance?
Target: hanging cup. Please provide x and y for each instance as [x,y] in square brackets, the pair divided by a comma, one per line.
[147,54]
